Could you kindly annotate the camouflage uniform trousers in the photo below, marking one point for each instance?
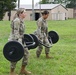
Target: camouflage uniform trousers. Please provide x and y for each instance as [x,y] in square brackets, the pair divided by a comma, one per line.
[40,47]
[24,60]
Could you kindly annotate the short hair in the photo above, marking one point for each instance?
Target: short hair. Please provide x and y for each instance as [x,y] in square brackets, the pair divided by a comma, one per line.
[45,12]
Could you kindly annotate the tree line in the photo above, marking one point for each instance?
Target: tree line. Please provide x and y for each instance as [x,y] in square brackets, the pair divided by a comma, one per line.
[8,5]
[66,3]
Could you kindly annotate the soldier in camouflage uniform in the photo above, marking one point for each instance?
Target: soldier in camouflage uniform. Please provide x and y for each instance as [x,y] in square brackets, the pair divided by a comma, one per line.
[17,34]
[42,34]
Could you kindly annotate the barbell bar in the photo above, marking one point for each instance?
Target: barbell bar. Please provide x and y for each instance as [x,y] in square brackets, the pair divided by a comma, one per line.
[14,51]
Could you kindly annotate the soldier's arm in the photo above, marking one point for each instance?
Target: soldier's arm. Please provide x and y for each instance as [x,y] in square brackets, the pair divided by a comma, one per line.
[39,24]
[16,29]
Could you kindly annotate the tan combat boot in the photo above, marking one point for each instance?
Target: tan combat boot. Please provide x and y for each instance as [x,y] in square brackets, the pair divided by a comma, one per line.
[12,73]
[24,71]
[48,57]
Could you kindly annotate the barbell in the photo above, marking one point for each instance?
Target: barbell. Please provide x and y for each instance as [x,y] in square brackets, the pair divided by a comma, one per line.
[14,51]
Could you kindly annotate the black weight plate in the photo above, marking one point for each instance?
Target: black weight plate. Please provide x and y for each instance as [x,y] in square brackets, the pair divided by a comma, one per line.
[28,40]
[54,36]
[13,51]
[35,40]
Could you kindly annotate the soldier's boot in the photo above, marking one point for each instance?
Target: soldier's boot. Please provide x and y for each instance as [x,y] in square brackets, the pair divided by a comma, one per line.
[38,55]
[47,56]
[24,71]
[12,72]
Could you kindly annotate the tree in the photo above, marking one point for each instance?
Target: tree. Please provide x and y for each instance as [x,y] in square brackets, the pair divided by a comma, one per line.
[6,5]
[44,2]
[1,10]
[53,1]
[71,4]
[67,3]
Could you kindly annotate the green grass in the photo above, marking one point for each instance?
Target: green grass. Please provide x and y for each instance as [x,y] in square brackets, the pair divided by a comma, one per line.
[64,51]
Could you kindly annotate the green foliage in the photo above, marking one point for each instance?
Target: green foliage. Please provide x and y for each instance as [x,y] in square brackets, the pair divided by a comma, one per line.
[10,4]
[63,52]
[54,1]
[67,3]
[71,4]
[60,1]
[6,5]
[1,10]
[44,1]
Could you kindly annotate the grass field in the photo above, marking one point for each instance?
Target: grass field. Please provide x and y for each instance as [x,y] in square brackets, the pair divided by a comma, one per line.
[63,52]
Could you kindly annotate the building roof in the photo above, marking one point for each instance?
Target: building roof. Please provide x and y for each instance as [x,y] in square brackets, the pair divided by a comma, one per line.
[38,6]
[46,6]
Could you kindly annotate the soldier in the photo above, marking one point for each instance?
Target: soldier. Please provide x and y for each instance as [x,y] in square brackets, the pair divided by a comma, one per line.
[42,34]
[17,33]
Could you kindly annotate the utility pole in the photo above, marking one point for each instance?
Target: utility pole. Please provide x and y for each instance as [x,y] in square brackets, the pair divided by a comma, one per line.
[18,3]
[33,14]
[40,7]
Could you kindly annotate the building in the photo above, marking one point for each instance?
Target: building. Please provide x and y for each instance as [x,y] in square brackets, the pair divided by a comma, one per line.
[56,11]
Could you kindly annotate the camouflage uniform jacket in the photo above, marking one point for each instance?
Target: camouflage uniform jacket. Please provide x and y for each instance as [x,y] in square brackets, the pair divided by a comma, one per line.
[42,30]
[18,28]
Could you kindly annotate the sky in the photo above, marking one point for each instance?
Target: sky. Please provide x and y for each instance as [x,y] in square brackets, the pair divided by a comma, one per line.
[28,1]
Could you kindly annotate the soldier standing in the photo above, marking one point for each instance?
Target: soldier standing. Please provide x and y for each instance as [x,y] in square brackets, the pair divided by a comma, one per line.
[42,34]
[17,33]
